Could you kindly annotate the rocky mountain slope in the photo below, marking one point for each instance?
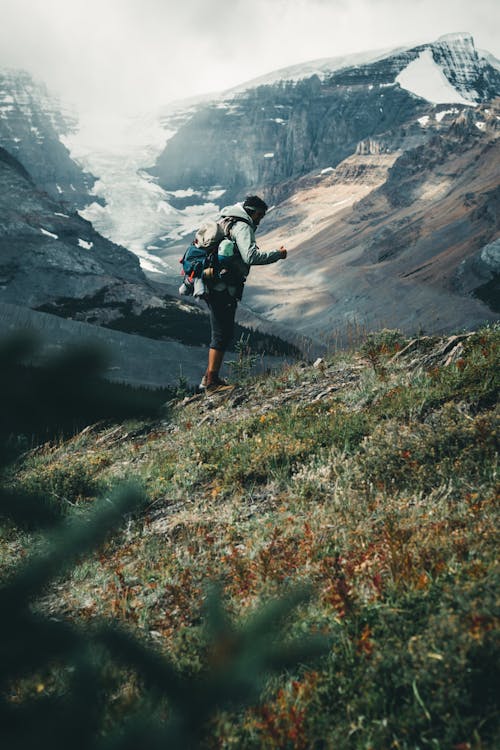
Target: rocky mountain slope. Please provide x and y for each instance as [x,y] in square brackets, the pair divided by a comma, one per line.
[268,135]
[32,123]
[55,262]
[384,177]
[400,239]
[46,253]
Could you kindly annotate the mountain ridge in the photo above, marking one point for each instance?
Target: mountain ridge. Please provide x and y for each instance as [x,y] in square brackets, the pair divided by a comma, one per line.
[285,139]
[354,149]
[360,150]
[32,122]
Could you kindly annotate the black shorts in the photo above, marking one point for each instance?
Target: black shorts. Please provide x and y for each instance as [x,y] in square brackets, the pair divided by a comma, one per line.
[222,306]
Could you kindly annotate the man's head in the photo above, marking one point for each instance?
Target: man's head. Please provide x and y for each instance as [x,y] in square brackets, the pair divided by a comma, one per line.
[255,207]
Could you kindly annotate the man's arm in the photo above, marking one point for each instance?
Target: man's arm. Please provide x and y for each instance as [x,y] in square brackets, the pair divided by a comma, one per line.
[244,237]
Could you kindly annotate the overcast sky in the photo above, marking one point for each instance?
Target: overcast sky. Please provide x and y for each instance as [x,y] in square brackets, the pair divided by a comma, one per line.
[130,55]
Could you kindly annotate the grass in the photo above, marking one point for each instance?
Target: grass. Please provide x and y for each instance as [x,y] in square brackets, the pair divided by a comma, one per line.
[382,493]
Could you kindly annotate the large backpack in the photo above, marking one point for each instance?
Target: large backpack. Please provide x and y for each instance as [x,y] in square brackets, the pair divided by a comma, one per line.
[202,253]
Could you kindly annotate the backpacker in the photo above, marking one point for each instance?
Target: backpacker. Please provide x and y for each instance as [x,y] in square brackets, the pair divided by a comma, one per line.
[203,254]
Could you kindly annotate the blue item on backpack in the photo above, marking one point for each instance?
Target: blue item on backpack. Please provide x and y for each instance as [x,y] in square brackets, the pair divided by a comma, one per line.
[195,260]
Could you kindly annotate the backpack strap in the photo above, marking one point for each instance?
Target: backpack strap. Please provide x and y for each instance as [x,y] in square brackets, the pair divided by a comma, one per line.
[228,222]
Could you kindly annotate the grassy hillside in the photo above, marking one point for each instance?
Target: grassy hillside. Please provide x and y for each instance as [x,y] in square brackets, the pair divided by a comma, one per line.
[372,476]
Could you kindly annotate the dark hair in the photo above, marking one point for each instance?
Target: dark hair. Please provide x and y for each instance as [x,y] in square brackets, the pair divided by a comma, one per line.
[254,203]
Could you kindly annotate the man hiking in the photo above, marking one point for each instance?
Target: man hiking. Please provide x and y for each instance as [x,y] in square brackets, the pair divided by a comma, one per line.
[240,222]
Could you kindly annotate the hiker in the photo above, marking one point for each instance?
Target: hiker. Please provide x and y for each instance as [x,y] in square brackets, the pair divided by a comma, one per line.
[242,220]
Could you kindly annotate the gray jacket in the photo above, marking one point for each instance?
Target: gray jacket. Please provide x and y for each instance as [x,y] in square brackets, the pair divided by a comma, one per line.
[242,233]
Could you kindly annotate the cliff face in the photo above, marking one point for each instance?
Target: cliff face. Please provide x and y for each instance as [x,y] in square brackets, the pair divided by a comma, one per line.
[31,126]
[273,134]
[47,253]
[268,136]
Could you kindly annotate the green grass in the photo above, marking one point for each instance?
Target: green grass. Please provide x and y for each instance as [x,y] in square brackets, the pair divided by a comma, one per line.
[383,494]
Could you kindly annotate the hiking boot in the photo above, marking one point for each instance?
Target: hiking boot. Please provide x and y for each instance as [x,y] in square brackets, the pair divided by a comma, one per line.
[217,384]
[204,383]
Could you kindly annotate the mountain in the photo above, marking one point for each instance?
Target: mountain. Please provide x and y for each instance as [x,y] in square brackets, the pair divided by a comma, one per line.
[385,184]
[382,169]
[55,262]
[406,240]
[32,124]
[47,253]
[322,68]
[267,135]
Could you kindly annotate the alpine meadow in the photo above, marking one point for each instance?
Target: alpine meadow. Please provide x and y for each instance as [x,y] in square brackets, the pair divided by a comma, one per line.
[301,554]
[309,563]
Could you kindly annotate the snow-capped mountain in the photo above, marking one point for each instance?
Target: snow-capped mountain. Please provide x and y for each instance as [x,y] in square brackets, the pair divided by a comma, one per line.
[32,123]
[353,161]
[293,120]
[454,55]
[323,67]
[267,135]
[463,70]
[340,147]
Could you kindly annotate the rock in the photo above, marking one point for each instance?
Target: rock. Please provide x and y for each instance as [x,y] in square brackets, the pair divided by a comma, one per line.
[32,127]
[42,252]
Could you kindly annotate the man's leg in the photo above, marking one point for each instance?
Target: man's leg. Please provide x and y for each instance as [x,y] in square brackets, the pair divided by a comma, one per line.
[222,312]
[215,357]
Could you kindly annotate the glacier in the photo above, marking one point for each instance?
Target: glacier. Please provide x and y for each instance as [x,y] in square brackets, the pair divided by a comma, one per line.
[137,210]
[424,78]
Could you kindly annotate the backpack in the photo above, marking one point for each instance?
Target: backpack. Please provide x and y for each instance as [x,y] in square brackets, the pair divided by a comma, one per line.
[202,254]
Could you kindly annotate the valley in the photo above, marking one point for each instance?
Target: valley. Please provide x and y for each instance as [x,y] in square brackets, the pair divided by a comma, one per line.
[381,171]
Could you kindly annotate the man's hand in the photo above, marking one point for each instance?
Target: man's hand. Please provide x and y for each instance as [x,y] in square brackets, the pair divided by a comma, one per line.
[283,252]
